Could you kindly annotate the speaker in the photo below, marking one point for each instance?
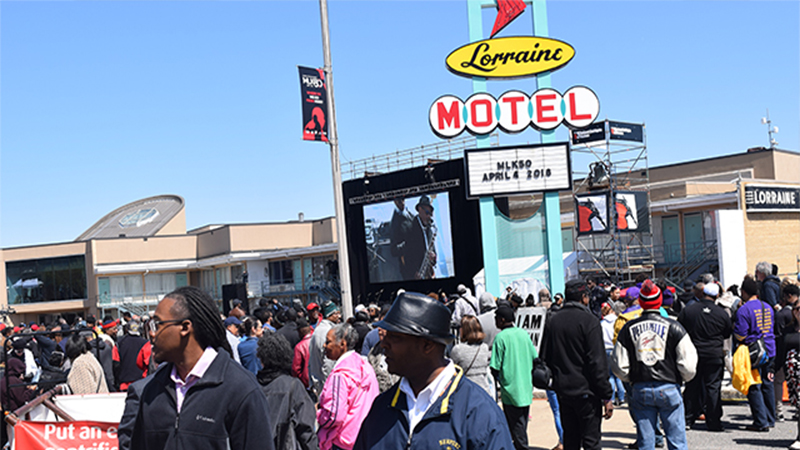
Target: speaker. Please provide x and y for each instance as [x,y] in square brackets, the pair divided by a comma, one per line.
[231,292]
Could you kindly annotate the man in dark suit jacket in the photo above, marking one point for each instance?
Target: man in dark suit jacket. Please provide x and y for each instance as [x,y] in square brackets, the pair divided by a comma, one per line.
[419,242]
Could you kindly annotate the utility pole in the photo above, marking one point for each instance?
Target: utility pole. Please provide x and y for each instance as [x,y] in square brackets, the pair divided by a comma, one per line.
[333,140]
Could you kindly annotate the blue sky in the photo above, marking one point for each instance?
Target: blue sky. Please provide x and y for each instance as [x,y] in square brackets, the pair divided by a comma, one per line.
[105,102]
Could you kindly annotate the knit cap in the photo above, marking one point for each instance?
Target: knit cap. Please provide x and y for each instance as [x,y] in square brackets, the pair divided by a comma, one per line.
[668,298]
[329,308]
[649,295]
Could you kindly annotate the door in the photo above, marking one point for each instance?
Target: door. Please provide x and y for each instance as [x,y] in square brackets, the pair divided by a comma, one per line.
[298,274]
[308,273]
[672,239]
[104,290]
[693,234]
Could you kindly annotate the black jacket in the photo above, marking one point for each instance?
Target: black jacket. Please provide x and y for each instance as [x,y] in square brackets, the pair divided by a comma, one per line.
[654,348]
[128,347]
[789,340]
[708,325]
[291,412]
[224,410]
[128,420]
[105,356]
[289,331]
[572,346]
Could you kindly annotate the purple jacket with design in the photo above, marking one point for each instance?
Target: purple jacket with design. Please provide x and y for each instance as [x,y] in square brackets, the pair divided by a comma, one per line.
[753,320]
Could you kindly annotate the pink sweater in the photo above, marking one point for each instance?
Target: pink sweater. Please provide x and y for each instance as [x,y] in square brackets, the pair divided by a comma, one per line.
[345,401]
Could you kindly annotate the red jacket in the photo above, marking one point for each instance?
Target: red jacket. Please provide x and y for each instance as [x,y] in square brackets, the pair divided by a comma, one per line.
[300,361]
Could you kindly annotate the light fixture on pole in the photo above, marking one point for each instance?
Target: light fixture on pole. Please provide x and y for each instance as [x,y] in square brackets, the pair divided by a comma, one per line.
[598,175]
[770,130]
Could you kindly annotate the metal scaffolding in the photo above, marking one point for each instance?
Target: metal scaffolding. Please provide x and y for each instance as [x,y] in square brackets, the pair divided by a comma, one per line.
[623,167]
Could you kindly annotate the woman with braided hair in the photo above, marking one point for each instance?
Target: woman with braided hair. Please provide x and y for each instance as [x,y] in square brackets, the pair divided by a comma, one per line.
[201,398]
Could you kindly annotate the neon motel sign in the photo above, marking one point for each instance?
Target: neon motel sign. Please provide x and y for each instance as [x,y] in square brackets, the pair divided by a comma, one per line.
[513,111]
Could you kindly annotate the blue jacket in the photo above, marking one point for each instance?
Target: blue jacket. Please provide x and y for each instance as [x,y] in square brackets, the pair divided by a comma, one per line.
[464,417]
[771,290]
[247,354]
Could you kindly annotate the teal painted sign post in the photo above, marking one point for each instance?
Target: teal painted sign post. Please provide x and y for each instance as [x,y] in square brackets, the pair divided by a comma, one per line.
[552,208]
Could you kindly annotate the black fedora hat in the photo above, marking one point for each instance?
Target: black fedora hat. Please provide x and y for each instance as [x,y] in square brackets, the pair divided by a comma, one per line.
[418,315]
[424,201]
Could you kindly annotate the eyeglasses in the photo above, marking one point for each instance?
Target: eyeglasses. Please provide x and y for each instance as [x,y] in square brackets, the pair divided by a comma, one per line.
[153,325]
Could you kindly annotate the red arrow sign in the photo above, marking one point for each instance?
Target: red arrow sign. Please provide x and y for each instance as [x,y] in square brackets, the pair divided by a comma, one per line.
[507,11]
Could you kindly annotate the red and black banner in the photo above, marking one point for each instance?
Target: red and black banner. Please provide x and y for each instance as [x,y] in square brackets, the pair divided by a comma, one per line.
[315,108]
[631,212]
[592,213]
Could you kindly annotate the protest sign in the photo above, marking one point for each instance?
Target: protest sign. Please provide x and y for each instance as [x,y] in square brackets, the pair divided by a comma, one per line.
[78,435]
[532,321]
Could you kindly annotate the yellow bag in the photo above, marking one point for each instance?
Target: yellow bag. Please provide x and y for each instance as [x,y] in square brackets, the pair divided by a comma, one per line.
[743,376]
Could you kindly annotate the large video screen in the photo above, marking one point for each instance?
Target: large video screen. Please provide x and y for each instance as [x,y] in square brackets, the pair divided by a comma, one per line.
[409,239]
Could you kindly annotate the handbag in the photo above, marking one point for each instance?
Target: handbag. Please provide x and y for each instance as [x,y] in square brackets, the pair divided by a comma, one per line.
[542,375]
[758,349]
[758,353]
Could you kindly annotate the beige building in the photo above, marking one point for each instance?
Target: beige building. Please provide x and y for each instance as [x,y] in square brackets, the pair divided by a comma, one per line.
[701,219]
[703,204]
[136,254]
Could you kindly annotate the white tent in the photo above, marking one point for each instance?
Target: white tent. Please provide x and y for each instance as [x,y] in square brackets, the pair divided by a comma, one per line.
[527,275]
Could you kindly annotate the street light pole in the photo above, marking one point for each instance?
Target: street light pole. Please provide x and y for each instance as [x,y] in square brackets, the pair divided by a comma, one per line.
[333,140]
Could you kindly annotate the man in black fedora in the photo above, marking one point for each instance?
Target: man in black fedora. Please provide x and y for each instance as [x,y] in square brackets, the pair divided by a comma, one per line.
[419,242]
[432,403]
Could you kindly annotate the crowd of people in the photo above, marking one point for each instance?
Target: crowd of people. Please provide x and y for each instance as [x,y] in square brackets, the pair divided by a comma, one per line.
[426,371]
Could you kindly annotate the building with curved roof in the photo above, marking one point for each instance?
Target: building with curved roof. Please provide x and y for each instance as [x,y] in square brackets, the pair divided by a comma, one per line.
[139,252]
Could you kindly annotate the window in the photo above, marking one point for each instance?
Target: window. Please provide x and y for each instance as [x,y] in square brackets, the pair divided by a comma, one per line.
[126,288]
[281,272]
[322,267]
[208,281]
[223,275]
[46,280]
[156,285]
[139,218]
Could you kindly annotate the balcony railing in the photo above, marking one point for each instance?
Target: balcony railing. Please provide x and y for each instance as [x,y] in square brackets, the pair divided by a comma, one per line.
[113,300]
[682,260]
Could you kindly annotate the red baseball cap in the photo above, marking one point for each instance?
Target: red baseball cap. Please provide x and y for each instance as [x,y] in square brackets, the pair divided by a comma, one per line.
[312,306]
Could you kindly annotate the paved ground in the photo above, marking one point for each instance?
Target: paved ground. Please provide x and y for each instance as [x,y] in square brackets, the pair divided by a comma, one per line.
[619,430]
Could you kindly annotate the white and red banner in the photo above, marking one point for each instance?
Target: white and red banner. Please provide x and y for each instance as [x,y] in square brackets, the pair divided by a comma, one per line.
[78,435]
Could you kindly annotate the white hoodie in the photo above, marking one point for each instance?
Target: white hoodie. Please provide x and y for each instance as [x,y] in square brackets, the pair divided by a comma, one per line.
[608,330]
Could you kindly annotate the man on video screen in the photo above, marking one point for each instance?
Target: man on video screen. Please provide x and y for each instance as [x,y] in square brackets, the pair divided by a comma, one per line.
[419,256]
[399,227]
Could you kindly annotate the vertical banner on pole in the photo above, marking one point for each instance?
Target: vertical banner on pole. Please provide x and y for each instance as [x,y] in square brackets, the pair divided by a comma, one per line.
[315,108]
